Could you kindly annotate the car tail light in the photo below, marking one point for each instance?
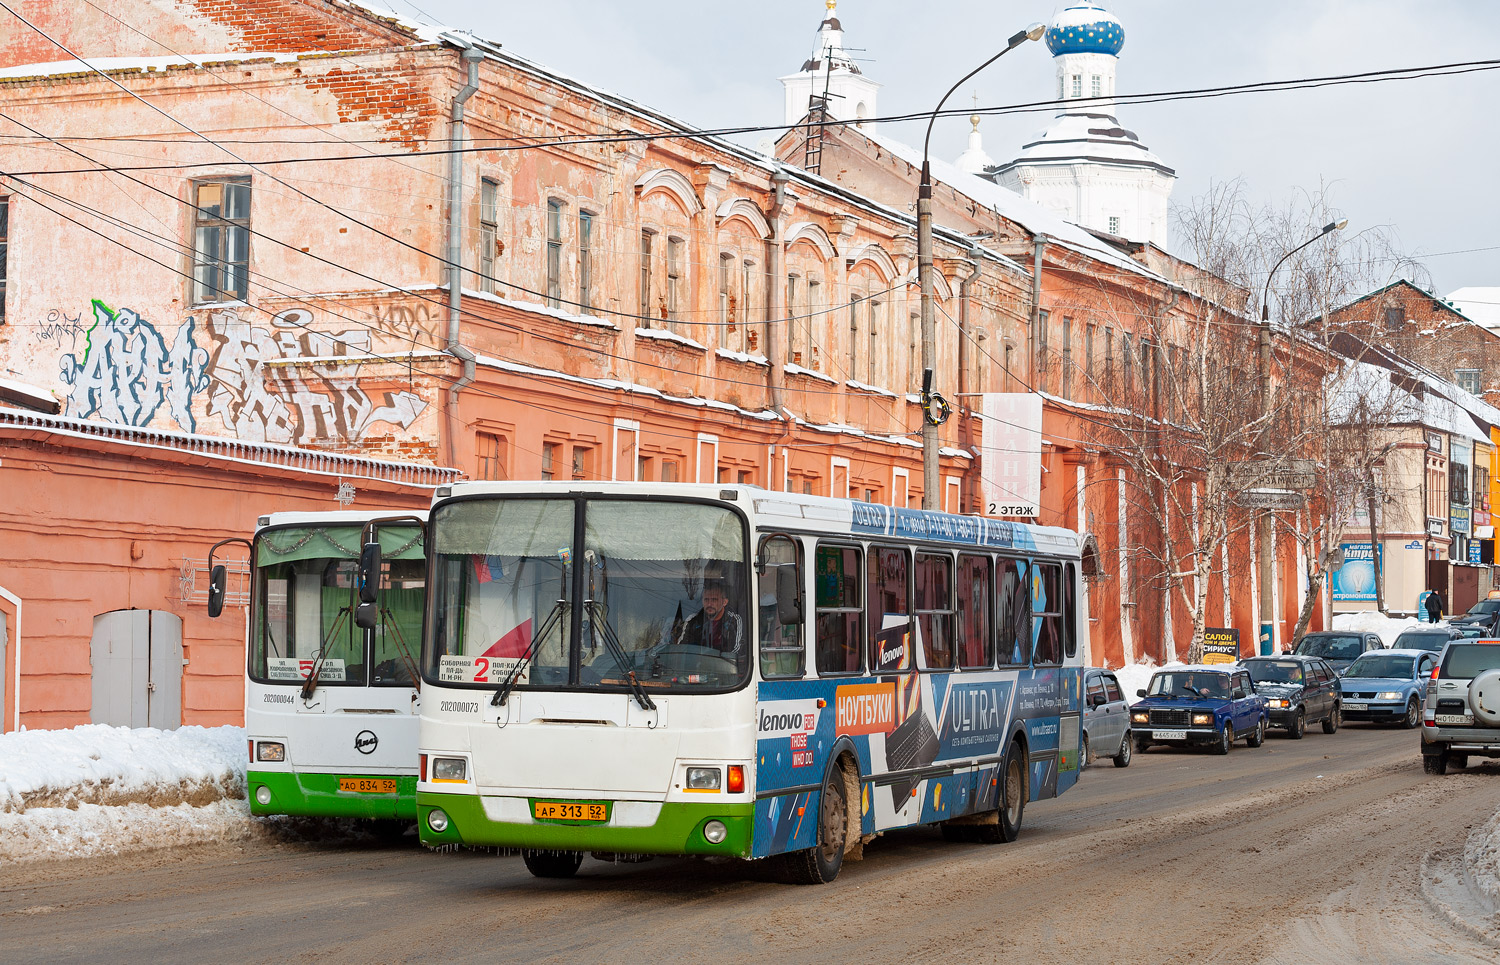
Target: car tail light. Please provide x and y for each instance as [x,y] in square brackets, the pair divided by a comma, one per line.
[1434,671]
[736,779]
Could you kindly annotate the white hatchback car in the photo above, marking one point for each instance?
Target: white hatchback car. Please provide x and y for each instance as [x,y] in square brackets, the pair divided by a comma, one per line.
[1461,716]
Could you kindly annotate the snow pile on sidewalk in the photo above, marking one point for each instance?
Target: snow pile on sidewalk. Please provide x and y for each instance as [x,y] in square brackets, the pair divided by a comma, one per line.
[1373,621]
[1482,859]
[98,790]
[1135,676]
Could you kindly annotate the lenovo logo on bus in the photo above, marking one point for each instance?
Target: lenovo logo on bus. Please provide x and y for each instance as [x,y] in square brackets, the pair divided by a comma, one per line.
[865,709]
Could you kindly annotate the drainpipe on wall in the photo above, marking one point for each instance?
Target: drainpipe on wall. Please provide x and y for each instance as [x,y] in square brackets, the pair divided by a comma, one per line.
[966,391]
[471,58]
[1037,244]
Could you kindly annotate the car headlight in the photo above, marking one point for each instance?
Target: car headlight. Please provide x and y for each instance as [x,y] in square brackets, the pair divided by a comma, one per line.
[704,779]
[1281,704]
[1388,695]
[1139,717]
[449,769]
[270,751]
[1199,719]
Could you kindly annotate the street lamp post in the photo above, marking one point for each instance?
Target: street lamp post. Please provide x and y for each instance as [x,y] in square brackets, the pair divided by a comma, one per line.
[930,491]
[1265,565]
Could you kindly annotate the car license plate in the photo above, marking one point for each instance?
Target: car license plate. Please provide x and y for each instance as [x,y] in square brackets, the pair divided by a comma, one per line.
[1352,706]
[1460,719]
[570,811]
[1169,735]
[368,785]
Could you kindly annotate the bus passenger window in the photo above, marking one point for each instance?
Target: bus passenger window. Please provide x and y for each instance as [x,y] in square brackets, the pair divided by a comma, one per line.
[781,651]
[976,649]
[1070,610]
[1013,598]
[836,634]
[1049,614]
[935,610]
[890,612]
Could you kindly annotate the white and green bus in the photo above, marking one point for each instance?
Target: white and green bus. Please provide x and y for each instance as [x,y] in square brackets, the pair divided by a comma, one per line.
[643,668]
[331,708]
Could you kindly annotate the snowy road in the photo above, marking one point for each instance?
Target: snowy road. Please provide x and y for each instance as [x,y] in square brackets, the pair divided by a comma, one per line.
[1301,851]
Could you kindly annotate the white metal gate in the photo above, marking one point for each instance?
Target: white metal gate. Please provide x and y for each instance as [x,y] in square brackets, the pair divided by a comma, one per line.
[136,656]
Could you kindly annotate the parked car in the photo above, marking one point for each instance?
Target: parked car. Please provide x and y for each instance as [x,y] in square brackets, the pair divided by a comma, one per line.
[1214,705]
[1106,718]
[1433,638]
[1339,648]
[1300,691]
[1485,614]
[1470,631]
[1461,714]
[1388,686]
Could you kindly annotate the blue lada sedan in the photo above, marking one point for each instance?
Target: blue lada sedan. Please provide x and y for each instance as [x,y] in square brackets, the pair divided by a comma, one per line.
[1198,704]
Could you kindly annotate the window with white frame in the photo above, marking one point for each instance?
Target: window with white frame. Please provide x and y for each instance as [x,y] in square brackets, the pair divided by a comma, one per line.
[792,322]
[554,253]
[1077,85]
[648,240]
[1097,86]
[1468,380]
[1114,224]
[489,231]
[585,262]
[675,247]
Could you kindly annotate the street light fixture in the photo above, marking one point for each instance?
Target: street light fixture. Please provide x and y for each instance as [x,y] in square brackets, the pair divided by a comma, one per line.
[925,280]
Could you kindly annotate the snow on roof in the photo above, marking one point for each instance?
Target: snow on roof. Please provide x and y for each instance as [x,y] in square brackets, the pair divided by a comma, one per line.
[1480,304]
[1023,211]
[56,68]
[32,392]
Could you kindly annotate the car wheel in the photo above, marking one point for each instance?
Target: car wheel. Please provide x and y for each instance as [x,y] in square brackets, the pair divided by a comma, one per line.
[1331,722]
[1299,726]
[1083,754]
[1258,737]
[1226,740]
[552,864]
[1413,714]
[1435,763]
[1122,759]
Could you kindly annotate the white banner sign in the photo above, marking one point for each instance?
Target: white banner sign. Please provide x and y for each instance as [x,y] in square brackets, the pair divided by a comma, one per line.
[1010,457]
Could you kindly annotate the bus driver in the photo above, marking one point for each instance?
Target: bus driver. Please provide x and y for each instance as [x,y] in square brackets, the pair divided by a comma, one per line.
[715,626]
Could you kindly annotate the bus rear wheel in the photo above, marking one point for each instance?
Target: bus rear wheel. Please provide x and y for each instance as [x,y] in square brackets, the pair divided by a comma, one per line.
[1013,795]
[820,864]
[552,864]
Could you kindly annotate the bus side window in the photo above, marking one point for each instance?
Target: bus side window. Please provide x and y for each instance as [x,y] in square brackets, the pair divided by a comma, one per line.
[781,650]
[976,646]
[1070,610]
[935,610]
[837,633]
[1013,599]
[1049,612]
[889,617]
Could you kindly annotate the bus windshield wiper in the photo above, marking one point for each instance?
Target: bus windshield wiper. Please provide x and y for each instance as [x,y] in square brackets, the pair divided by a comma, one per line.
[598,615]
[502,693]
[311,683]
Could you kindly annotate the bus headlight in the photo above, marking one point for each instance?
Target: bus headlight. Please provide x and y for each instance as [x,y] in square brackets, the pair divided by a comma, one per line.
[449,769]
[704,779]
[715,832]
[270,751]
[263,795]
[437,820]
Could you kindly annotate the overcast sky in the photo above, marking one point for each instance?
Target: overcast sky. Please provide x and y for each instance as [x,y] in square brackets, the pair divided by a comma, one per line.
[1419,156]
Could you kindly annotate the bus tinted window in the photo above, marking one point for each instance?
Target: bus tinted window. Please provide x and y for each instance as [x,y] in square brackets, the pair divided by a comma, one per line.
[935,610]
[1070,609]
[890,611]
[1049,613]
[1013,596]
[781,651]
[836,578]
[975,645]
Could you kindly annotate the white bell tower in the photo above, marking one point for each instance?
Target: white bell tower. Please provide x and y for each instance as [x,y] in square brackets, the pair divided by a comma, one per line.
[831,69]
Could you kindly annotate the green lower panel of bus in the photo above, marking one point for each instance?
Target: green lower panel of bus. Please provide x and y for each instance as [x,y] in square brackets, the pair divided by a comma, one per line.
[322,795]
[678,829]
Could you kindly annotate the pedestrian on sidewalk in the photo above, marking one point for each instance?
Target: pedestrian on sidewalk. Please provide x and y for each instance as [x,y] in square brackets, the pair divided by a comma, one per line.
[1434,606]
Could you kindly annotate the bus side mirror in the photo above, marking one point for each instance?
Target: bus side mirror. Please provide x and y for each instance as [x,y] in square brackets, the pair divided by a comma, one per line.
[365,616]
[788,595]
[369,572]
[217,581]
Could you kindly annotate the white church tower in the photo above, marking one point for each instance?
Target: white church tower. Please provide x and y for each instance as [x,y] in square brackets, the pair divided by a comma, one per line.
[1085,166]
[830,69]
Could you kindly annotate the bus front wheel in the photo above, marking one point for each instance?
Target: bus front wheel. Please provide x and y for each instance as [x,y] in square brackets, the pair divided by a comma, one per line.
[820,864]
[552,864]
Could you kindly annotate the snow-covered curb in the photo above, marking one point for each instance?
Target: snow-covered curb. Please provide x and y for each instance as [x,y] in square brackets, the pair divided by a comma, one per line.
[102,765]
[91,830]
[1482,860]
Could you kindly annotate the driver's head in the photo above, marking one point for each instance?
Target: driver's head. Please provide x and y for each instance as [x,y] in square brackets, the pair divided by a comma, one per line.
[715,599]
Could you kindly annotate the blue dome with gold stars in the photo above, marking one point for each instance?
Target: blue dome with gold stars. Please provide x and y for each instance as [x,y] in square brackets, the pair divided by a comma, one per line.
[1085,28]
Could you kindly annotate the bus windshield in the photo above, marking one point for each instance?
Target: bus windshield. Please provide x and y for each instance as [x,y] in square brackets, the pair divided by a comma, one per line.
[583,594]
[304,614]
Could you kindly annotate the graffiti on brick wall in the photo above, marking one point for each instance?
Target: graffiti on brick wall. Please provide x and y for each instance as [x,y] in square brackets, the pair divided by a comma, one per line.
[127,371]
[123,369]
[320,400]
